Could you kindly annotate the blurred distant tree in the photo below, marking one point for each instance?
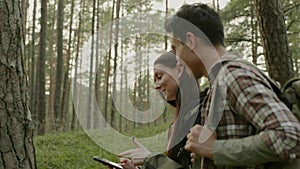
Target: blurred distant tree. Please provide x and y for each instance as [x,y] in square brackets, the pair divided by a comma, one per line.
[59,64]
[40,72]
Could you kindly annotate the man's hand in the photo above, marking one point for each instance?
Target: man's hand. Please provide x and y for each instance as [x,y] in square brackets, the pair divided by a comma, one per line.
[138,154]
[200,141]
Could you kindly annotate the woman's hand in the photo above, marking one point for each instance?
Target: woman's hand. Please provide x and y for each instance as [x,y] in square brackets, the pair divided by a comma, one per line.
[138,154]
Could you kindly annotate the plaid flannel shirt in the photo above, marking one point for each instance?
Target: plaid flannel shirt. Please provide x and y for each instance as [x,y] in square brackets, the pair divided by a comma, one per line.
[252,108]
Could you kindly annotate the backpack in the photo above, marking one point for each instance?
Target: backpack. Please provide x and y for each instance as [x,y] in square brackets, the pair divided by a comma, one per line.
[289,94]
[291,91]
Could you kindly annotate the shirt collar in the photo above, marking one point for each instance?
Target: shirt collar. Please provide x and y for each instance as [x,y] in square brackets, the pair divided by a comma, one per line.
[220,63]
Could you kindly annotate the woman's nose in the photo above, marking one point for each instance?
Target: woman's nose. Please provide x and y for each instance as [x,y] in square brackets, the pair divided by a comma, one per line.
[157,85]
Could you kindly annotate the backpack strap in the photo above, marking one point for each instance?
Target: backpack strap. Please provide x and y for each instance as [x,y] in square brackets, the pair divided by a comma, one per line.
[289,83]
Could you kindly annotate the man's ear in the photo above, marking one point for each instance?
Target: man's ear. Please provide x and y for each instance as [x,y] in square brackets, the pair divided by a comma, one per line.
[179,68]
[191,40]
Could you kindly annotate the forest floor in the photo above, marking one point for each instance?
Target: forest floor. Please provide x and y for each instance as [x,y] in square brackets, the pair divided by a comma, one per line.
[72,150]
[75,150]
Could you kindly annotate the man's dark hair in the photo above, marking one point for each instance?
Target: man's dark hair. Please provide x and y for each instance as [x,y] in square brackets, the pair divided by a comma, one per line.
[198,19]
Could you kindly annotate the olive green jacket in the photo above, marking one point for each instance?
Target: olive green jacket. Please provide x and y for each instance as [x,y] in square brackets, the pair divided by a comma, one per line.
[233,153]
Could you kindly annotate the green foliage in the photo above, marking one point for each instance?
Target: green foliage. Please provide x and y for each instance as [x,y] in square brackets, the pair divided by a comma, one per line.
[73,150]
[236,17]
[240,21]
[292,13]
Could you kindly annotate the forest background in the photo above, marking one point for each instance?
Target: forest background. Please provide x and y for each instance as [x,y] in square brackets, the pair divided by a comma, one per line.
[67,71]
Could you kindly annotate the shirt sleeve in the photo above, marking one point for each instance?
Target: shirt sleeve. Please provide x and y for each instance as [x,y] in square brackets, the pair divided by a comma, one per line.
[250,150]
[251,96]
[159,161]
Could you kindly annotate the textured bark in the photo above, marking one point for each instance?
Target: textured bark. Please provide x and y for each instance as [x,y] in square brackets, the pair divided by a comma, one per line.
[274,37]
[16,146]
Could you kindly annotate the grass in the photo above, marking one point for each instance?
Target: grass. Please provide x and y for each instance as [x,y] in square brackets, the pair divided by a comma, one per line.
[74,150]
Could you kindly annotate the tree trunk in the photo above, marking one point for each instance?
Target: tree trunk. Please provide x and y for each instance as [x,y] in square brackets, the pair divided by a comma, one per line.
[16,134]
[107,73]
[121,110]
[41,97]
[66,81]
[254,34]
[75,101]
[113,107]
[127,125]
[166,47]
[51,117]
[166,16]
[91,73]
[60,63]
[274,37]
[148,78]
[97,68]
[32,76]
[25,5]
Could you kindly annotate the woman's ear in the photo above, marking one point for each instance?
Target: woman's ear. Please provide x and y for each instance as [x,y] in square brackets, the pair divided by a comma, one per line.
[179,69]
[190,40]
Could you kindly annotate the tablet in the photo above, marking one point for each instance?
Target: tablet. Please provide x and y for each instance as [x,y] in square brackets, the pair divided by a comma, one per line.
[107,162]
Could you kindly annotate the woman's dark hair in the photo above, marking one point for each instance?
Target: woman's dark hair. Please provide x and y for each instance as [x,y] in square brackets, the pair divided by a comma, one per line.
[200,20]
[188,97]
[167,59]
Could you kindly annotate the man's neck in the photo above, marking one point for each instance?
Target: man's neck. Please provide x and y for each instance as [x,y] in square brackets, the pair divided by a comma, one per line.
[214,57]
[220,50]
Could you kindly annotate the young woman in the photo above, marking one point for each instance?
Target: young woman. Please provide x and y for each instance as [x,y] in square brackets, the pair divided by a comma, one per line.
[180,89]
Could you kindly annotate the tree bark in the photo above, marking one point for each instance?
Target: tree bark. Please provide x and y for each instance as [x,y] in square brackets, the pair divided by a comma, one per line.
[16,132]
[274,37]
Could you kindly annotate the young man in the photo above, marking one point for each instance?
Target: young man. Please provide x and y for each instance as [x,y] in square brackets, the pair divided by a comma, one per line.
[250,127]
